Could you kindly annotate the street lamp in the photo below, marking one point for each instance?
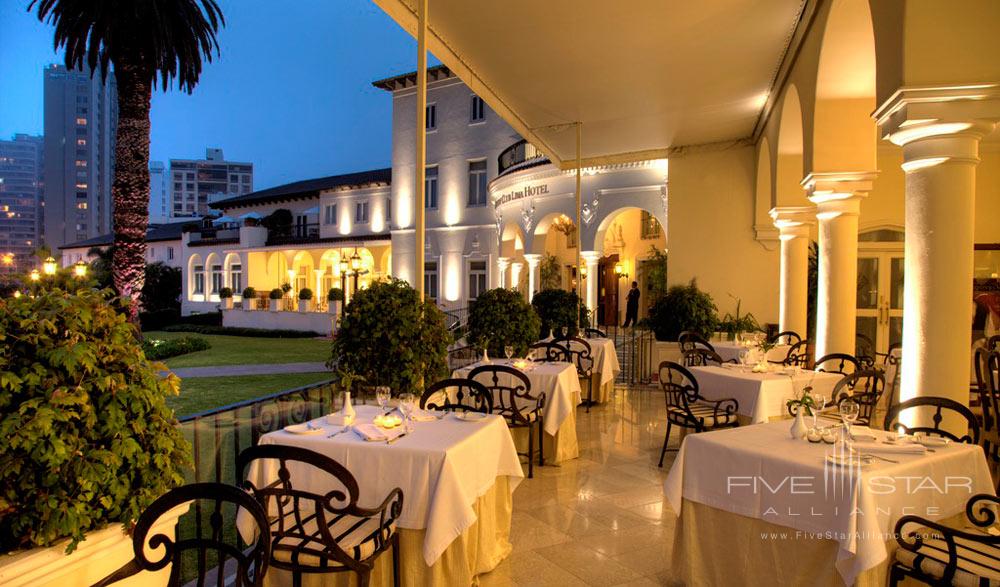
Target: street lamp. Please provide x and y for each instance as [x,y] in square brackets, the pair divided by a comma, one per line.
[49,266]
[80,269]
[8,259]
[34,275]
[17,293]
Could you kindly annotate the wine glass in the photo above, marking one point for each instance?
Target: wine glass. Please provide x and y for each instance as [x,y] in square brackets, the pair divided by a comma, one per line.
[849,414]
[406,407]
[820,403]
[509,351]
[382,395]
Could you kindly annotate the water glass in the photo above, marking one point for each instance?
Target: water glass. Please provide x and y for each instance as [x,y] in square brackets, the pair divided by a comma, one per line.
[406,404]
[849,414]
[509,351]
[382,395]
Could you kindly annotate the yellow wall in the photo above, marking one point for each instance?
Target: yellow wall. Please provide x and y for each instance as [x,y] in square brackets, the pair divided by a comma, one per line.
[710,218]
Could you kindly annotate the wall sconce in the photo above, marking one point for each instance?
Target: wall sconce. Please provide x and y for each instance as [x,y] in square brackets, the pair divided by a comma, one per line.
[49,266]
[620,270]
[80,269]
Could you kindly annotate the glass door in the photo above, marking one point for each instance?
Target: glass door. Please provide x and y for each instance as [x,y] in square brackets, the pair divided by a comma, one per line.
[879,301]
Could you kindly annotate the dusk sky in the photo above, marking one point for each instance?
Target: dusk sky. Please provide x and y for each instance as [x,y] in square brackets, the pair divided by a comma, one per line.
[291,92]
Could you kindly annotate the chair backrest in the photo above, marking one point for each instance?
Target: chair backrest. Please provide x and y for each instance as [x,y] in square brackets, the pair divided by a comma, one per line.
[987,387]
[938,406]
[864,350]
[679,386]
[461,356]
[838,363]
[690,340]
[217,503]
[788,337]
[511,390]
[594,333]
[993,343]
[580,355]
[864,387]
[890,365]
[457,395]
[701,357]
[798,354]
[550,352]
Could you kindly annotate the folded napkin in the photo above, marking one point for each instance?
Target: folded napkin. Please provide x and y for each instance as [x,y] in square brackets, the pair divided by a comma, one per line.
[420,415]
[898,448]
[864,434]
[373,433]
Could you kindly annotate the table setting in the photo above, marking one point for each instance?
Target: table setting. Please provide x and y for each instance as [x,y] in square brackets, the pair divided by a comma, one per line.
[829,493]
[457,474]
[606,366]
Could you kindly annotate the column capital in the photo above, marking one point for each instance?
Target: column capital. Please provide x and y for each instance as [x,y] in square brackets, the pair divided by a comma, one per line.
[532,259]
[792,216]
[911,113]
[590,257]
[839,192]
[503,263]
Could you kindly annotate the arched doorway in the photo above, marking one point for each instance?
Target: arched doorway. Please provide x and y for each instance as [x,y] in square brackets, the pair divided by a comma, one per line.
[632,246]
[789,169]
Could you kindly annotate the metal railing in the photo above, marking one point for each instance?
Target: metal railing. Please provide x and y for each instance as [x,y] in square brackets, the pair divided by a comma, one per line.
[293,234]
[516,154]
[634,346]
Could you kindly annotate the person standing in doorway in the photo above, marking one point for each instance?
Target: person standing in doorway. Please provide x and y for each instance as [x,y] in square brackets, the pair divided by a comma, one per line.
[632,306]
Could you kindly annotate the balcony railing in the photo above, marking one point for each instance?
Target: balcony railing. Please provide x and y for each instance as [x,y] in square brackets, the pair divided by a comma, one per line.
[215,235]
[294,234]
[518,154]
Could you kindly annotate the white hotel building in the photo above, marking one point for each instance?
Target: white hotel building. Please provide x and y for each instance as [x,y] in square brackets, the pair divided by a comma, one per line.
[493,209]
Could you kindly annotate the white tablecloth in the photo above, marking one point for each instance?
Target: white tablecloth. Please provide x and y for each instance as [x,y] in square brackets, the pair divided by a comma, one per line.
[605,360]
[760,472]
[761,395]
[557,380]
[730,350]
[442,467]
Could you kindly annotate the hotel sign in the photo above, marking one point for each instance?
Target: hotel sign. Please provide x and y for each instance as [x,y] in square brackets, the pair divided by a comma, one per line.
[527,191]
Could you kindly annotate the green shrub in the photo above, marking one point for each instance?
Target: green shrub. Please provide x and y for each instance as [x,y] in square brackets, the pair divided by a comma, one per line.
[225,293]
[685,307]
[88,439]
[555,308]
[501,317]
[276,294]
[158,350]
[335,295]
[286,287]
[388,337]
[158,319]
[238,331]
[305,294]
[249,293]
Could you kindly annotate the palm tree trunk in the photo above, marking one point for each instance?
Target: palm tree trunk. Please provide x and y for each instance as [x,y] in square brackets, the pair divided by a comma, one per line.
[130,191]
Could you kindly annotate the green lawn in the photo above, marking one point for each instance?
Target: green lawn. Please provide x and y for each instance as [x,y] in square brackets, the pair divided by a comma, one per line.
[245,350]
[204,393]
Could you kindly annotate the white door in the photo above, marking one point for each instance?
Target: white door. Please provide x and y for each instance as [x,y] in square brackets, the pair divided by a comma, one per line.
[880,299]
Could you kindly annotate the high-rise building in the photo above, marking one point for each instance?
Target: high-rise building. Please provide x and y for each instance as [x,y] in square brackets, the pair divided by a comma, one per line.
[159,202]
[20,201]
[81,118]
[197,182]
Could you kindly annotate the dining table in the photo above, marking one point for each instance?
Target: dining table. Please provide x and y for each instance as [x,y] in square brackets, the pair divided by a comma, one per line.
[757,507]
[457,479]
[730,351]
[559,382]
[604,369]
[761,396]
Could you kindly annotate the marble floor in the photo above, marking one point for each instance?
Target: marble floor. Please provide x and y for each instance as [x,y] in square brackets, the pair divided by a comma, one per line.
[600,519]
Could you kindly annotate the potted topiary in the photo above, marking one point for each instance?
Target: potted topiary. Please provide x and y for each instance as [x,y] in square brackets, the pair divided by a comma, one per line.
[335,300]
[88,440]
[500,318]
[555,308]
[388,337]
[249,298]
[226,296]
[684,307]
[305,299]
[275,298]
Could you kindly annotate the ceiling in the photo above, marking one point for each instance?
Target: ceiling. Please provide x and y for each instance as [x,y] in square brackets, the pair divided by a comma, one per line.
[641,76]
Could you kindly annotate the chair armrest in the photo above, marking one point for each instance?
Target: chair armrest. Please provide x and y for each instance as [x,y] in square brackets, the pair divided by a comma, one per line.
[394,499]
[727,407]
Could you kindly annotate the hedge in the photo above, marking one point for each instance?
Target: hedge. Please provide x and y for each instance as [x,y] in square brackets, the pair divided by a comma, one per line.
[237,331]
[158,350]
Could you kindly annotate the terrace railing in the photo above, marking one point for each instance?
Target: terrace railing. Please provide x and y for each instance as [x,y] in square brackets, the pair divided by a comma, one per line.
[293,234]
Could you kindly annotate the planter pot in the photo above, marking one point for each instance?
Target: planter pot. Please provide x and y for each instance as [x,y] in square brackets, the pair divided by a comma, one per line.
[102,553]
[334,307]
[227,303]
[305,305]
[248,304]
[274,305]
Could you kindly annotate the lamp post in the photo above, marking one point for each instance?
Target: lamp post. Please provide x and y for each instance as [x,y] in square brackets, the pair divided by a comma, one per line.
[356,267]
[343,273]
[34,275]
[49,266]
[79,269]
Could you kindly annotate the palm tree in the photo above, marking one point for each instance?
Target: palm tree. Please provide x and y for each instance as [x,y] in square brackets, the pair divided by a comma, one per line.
[147,42]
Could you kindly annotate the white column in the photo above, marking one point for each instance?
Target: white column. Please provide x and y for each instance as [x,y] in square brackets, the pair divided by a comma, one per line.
[591,258]
[318,273]
[502,264]
[532,259]
[793,229]
[838,202]
[515,274]
[939,159]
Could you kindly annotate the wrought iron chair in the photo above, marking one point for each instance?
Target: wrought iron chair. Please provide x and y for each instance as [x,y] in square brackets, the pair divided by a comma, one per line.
[864,387]
[993,343]
[864,351]
[687,409]
[513,399]
[329,533]
[251,560]
[701,358]
[788,337]
[988,389]
[842,363]
[690,340]
[798,355]
[891,362]
[594,333]
[941,555]
[550,352]
[461,356]
[457,394]
[580,354]
[940,406]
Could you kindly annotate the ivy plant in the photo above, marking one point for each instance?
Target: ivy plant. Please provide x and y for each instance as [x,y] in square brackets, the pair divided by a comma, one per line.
[88,439]
[684,307]
[388,337]
[501,317]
